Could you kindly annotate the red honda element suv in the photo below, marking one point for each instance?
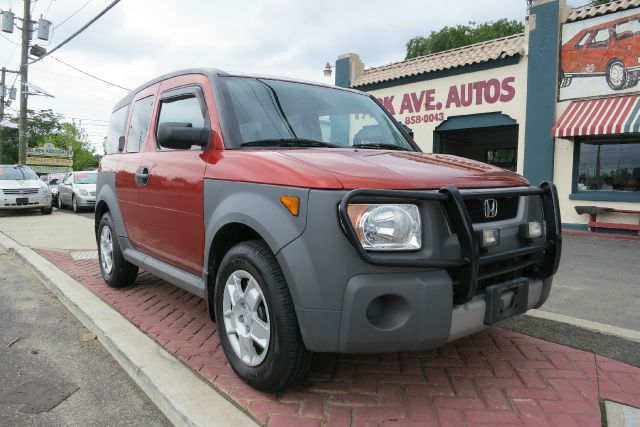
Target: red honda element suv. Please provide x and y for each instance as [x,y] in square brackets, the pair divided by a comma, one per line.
[310,221]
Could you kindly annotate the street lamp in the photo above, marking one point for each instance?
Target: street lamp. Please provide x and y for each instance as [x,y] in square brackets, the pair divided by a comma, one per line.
[327,70]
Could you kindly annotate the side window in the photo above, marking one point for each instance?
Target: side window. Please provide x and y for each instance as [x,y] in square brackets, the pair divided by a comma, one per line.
[116,129]
[140,117]
[67,179]
[601,38]
[584,39]
[185,109]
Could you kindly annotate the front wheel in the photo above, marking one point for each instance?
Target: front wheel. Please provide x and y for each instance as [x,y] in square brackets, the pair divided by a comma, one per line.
[256,319]
[116,271]
[46,211]
[617,75]
[74,204]
[59,203]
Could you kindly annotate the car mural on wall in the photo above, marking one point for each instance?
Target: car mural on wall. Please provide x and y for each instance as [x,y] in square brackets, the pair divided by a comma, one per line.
[609,49]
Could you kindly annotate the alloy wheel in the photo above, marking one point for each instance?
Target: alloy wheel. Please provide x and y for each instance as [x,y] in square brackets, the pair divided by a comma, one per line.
[106,250]
[246,318]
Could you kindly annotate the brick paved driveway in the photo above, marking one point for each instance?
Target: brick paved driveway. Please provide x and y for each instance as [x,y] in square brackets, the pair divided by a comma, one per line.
[495,377]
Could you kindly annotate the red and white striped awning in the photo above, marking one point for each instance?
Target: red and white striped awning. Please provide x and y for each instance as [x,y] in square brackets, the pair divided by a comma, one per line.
[604,116]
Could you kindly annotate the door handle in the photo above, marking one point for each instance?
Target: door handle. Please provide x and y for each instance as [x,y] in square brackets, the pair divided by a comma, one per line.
[142,176]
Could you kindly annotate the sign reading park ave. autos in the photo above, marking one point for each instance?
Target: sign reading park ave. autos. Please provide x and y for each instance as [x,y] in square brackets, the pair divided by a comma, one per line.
[432,106]
[49,159]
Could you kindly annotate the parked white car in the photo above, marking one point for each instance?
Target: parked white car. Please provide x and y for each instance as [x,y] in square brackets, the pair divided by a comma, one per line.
[78,190]
[20,188]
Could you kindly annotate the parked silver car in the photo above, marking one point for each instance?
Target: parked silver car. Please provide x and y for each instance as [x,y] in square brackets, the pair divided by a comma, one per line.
[78,190]
[20,188]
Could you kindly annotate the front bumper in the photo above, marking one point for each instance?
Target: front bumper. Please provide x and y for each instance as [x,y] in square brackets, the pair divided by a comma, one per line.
[31,201]
[86,201]
[376,302]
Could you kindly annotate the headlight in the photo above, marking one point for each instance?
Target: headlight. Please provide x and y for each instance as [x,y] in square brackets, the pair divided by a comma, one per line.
[387,227]
[83,192]
[45,190]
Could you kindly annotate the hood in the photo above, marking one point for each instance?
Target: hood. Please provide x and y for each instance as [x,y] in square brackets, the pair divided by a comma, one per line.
[88,187]
[383,169]
[22,183]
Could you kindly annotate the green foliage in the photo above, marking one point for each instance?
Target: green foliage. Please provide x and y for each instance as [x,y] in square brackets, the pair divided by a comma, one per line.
[461,35]
[45,126]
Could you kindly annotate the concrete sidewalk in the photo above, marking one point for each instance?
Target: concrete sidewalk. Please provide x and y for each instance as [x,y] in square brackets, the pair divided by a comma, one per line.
[56,231]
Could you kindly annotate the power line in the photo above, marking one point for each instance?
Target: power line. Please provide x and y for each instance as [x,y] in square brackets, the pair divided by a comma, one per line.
[87,119]
[90,75]
[9,40]
[74,35]
[73,14]
[47,77]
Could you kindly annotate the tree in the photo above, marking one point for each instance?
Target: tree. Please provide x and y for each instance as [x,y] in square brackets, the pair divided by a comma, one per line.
[45,126]
[461,35]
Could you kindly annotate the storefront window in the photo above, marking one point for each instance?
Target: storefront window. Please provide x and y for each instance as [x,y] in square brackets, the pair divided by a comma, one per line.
[608,165]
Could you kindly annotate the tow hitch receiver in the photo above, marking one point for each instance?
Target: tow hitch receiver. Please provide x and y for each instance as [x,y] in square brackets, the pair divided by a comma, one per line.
[505,300]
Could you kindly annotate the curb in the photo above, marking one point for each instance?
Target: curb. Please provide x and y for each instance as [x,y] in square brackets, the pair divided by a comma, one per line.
[627,334]
[598,235]
[183,397]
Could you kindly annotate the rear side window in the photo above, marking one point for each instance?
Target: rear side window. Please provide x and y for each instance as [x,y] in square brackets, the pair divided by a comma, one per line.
[182,109]
[140,117]
[116,129]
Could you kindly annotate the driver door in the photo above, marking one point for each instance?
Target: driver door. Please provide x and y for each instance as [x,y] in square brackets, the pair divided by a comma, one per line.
[172,198]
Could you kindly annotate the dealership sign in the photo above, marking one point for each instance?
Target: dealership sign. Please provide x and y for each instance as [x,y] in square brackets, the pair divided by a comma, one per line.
[430,105]
[49,159]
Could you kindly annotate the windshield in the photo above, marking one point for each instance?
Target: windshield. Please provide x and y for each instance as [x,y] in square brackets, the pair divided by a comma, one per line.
[86,178]
[16,172]
[272,112]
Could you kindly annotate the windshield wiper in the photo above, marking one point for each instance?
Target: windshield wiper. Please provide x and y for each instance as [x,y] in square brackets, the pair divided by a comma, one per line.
[290,142]
[382,146]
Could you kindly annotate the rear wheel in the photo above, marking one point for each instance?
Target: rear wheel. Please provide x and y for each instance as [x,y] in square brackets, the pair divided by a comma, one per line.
[256,319]
[116,271]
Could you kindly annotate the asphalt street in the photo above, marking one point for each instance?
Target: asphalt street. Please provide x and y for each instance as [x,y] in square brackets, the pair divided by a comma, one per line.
[598,280]
[51,372]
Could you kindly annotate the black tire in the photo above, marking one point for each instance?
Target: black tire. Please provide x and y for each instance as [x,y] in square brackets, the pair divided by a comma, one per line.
[46,211]
[59,203]
[122,273]
[287,361]
[617,82]
[74,204]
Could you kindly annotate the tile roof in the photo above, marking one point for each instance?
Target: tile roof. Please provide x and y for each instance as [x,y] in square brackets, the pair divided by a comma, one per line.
[474,54]
[592,12]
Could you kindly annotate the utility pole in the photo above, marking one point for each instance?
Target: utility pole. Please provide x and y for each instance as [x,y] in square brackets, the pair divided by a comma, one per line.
[3,89]
[24,58]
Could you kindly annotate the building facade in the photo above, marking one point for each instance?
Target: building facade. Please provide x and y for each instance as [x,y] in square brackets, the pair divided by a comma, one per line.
[559,102]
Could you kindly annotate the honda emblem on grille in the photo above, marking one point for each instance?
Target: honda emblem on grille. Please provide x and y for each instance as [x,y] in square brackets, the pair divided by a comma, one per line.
[490,208]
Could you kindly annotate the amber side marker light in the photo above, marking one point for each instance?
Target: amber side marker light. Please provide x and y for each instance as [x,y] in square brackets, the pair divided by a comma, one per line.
[291,203]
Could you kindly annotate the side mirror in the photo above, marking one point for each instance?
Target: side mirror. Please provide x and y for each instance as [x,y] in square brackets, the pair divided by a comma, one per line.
[181,136]
[121,144]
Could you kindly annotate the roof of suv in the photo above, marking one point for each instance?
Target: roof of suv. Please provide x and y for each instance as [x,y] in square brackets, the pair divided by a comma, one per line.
[211,73]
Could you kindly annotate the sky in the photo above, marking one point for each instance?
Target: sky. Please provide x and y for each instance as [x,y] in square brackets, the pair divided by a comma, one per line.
[138,40]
